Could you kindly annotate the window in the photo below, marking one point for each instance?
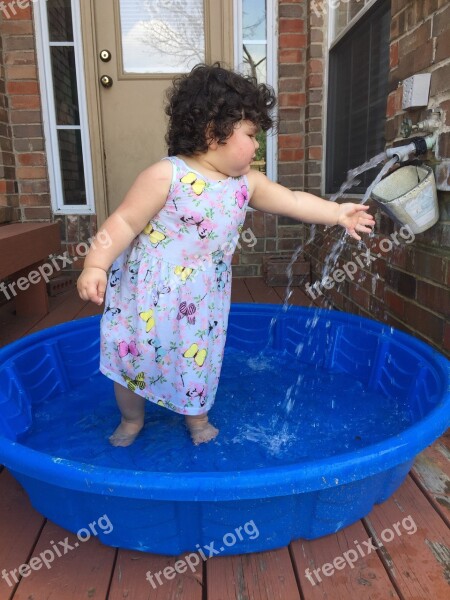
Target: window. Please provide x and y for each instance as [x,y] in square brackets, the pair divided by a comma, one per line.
[255,55]
[59,48]
[162,37]
[358,89]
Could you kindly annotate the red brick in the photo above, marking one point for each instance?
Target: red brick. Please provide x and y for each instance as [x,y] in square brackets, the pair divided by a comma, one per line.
[19,10]
[38,213]
[290,84]
[415,39]
[394,302]
[440,80]
[290,141]
[20,57]
[17,27]
[316,36]
[6,187]
[444,145]
[34,187]
[315,80]
[291,154]
[441,22]
[394,103]
[22,87]
[360,296]
[35,200]
[315,153]
[442,47]
[315,66]
[25,102]
[446,343]
[31,159]
[290,55]
[19,42]
[292,40]
[430,325]
[21,72]
[398,5]
[316,51]
[31,172]
[291,25]
[434,297]
[292,99]
[393,55]
[25,117]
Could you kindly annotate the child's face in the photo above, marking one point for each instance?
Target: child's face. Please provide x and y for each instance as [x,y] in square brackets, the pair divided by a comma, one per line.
[235,156]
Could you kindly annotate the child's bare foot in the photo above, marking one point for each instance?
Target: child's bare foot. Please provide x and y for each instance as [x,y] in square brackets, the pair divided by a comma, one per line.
[125,434]
[200,429]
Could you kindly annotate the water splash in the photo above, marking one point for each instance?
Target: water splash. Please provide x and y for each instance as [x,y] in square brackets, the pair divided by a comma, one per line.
[290,267]
[352,174]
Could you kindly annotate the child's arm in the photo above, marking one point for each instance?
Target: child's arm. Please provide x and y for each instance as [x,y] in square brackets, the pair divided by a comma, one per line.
[270,197]
[144,200]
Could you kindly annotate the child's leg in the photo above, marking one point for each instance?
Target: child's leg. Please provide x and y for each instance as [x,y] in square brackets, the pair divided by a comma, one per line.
[200,428]
[132,408]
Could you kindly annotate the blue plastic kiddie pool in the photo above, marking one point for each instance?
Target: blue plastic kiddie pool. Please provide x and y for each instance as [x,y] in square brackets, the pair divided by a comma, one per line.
[321,414]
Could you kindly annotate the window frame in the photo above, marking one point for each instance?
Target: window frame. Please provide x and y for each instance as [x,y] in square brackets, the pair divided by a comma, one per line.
[332,38]
[272,70]
[50,126]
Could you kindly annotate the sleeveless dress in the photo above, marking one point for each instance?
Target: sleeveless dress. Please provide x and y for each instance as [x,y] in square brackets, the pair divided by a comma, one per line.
[167,301]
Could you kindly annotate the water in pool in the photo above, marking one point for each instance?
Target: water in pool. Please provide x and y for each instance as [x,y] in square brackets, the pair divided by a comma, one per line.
[270,409]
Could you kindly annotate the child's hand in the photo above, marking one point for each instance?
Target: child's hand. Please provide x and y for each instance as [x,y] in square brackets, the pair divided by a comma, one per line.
[91,284]
[354,218]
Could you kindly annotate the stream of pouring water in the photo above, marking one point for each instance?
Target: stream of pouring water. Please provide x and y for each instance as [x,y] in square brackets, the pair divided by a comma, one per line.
[337,248]
[333,256]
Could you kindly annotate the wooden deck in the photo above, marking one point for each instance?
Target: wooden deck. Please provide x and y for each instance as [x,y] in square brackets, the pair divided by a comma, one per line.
[413,563]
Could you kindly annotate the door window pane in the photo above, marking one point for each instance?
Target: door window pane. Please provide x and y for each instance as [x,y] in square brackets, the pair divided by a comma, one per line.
[72,171]
[60,27]
[65,85]
[162,36]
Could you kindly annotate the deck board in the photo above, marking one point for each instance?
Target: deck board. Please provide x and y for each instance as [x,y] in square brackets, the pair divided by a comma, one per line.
[414,542]
[20,527]
[139,576]
[262,576]
[366,580]
[82,571]
[431,472]
[410,567]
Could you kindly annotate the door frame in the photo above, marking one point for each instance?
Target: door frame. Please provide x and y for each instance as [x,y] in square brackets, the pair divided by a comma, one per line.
[93,88]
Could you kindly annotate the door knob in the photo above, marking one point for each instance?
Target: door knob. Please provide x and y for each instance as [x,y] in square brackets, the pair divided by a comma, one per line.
[105,55]
[106,81]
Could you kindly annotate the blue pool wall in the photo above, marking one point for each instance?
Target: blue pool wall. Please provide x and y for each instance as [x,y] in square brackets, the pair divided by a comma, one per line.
[170,513]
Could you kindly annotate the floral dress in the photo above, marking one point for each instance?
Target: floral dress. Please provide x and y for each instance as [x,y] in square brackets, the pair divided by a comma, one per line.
[168,297]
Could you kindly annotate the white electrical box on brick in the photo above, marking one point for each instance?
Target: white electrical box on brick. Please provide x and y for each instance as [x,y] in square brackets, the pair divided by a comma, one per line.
[416,90]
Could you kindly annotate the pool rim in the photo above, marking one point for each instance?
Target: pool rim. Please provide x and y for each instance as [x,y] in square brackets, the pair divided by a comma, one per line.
[309,476]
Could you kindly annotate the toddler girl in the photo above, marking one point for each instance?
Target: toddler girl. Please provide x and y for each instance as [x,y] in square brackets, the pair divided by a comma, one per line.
[168,292]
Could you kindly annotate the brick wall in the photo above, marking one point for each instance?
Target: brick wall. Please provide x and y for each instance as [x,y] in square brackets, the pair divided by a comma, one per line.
[277,235]
[408,286]
[7,159]
[32,201]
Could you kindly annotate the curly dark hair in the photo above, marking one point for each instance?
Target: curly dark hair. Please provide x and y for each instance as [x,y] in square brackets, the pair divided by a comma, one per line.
[206,104]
